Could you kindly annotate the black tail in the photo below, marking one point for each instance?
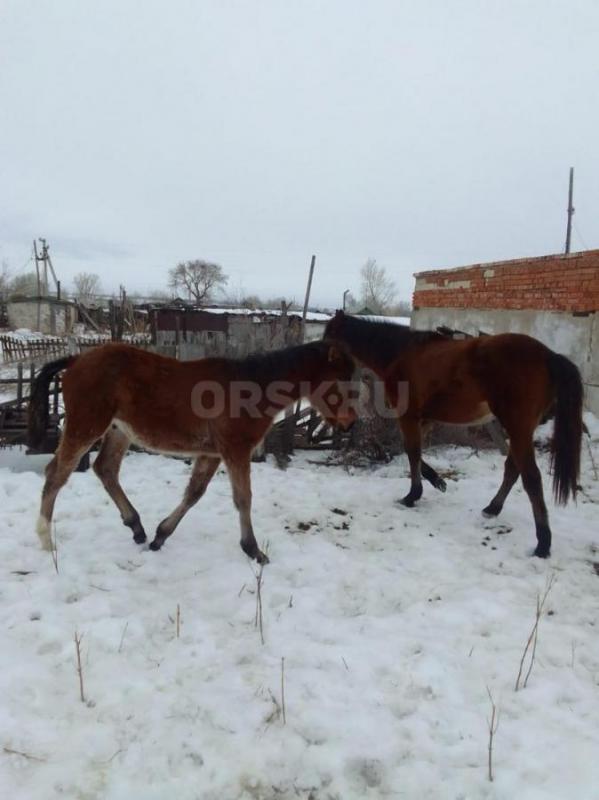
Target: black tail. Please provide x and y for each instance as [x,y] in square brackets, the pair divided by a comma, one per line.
[38,400]
[567,433]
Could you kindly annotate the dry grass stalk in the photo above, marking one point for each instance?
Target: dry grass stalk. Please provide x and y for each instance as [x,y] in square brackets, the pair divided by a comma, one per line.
[54,549]
[178,622]
[283,691]
[258,618]
[78,639]
[492,724]
[534,635]
[28,756]
[276,709]
[123,636]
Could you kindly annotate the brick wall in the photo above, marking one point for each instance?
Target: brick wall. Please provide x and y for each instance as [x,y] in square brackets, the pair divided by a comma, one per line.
[548,283]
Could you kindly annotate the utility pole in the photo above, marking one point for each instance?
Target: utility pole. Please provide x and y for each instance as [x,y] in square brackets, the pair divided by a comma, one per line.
[307,300]
[48,263]
[44,258]
[570,210]
[37,269]
[291,417]
[345,293]
[39,288]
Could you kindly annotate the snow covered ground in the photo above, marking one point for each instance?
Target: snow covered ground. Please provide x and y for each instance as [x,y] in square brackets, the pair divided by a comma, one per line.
[392,623]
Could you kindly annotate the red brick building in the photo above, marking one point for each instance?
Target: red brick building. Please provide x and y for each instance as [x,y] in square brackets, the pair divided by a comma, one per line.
[554,298]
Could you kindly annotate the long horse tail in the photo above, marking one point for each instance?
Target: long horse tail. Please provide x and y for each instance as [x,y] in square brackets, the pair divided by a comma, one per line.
[37,423]
[567,433]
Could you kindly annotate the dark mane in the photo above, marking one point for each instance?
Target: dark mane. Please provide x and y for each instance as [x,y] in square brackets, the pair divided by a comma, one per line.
[261,367]
[383,341]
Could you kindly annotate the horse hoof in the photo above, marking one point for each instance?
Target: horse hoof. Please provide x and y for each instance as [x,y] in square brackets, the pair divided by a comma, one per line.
[140,538]
[542,552]
[262,558]
[489,512]
[407,502]
[439,484]
[155,545]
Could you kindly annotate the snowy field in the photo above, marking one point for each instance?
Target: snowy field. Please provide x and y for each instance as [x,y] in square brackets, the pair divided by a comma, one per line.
[392,623]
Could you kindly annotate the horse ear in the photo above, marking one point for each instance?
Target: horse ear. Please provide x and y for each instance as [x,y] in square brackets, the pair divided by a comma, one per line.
[339,313]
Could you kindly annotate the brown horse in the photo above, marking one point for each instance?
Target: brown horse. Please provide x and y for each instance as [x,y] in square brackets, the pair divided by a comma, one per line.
[213,409]
[429,377]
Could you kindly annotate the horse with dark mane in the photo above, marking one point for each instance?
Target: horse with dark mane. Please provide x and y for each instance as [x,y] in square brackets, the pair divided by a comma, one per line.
[213,409]
[515,378]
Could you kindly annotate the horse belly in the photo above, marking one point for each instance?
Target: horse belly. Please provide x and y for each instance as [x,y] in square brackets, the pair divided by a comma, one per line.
[461,413]
[480,415]
[169,442]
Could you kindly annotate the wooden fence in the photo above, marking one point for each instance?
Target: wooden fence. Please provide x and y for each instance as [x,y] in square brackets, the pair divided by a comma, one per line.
[15,349]
[303,430]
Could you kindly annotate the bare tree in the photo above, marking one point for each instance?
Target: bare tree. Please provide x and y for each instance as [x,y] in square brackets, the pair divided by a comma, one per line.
[87,286]
[155,295]
[401,309]
[237,296]
[4,279]
[199,279]
[251,301]
[24,284]
[378,290]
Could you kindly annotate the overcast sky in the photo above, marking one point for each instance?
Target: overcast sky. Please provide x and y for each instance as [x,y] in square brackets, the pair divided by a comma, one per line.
[255,133]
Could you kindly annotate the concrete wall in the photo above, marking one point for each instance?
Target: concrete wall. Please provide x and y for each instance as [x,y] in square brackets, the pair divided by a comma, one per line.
[574,335]
[314,330]
[47,316]
[243,335]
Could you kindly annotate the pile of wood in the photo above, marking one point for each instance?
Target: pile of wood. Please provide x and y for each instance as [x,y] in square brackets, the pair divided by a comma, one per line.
[303,430]
[13,413]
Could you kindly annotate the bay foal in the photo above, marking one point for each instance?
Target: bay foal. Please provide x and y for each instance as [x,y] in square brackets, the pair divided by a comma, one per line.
[213,409]
[515,378]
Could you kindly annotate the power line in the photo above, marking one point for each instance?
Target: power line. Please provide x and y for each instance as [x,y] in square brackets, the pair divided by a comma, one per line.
[579,234]
[29,260]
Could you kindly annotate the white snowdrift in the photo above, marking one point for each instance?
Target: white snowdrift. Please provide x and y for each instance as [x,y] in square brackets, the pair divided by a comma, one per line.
[392,623]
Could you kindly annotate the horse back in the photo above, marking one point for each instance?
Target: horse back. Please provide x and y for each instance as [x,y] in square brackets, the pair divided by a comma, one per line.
[145,390]
[448,379]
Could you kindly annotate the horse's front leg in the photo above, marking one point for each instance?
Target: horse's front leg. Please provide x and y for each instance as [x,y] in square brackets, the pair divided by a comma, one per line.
[412,436]
[202,473]
[238,467]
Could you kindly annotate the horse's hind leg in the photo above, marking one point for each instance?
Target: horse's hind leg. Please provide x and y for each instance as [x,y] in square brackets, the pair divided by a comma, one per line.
[522,449]
[106,466]
[432,476]
[510,476]
[201,475]
[412,437]
[239,475]
[65,461]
